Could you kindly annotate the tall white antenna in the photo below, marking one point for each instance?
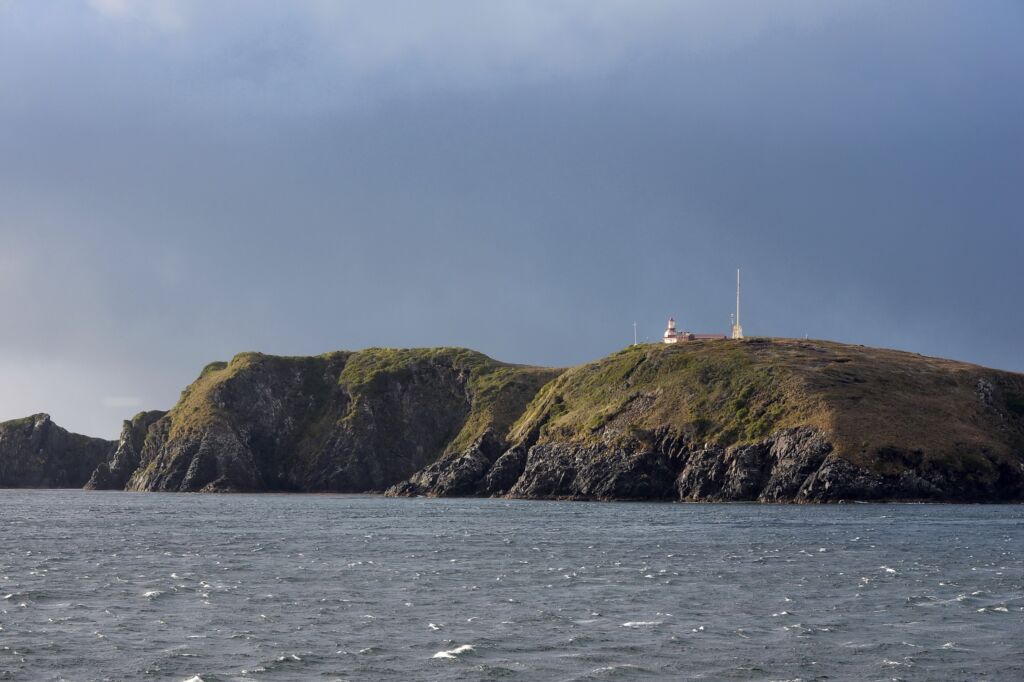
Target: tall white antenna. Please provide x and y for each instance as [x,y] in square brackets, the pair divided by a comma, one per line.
[634,332]
[737,295]
[737,328]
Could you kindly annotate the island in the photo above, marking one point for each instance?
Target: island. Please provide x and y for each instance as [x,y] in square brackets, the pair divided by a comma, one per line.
[754,419]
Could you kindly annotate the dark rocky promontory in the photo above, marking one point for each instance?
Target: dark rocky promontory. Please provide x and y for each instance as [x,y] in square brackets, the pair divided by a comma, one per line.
[772,420]
[36,453]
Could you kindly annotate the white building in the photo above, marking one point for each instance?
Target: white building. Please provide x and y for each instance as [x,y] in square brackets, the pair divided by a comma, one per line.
[672,335]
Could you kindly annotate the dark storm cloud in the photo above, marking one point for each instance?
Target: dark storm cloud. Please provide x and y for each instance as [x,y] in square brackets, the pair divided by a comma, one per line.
[180,181]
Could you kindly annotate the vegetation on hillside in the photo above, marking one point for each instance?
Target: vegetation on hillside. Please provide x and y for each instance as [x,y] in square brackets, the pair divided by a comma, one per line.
[880,408]
[336,385]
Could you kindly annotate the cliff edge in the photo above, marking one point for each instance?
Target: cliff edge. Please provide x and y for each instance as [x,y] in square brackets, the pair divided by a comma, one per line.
[341,422]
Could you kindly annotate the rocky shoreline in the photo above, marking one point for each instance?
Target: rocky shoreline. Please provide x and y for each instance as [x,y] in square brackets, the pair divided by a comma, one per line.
[795,465]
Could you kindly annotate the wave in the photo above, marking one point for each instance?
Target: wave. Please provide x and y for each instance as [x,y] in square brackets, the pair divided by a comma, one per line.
[454,653]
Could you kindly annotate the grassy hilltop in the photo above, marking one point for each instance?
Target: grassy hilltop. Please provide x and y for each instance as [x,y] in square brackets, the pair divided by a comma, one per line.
[881,409]
[758,419]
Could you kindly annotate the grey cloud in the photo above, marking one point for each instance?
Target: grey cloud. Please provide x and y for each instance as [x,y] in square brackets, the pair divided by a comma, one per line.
[523,178]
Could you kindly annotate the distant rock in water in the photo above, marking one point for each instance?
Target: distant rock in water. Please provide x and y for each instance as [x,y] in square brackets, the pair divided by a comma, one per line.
[760,420]
[36,453]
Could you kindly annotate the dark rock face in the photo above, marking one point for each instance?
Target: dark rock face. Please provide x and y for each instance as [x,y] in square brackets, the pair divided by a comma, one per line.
[114,473]
[306,425]
[401,428]
[773,470]
[214,460]
[795,454]
[505,471]
[566,471]
[838,479]
[36,453]
[461,475]
[793,465]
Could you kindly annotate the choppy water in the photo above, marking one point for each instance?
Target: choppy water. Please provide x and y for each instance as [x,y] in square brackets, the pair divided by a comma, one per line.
[287,587]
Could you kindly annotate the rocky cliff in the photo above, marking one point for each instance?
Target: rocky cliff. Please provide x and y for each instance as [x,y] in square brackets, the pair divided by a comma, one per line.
[36,453]
[344,422]
[767,420]
[114,472]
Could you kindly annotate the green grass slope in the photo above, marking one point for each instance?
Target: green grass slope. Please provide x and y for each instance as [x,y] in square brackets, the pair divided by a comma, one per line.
[881,409]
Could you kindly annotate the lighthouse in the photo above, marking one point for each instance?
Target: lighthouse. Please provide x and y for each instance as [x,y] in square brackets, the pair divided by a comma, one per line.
[672,335]
[670,332]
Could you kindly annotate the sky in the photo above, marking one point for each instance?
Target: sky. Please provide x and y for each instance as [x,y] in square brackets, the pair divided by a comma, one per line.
[183,180]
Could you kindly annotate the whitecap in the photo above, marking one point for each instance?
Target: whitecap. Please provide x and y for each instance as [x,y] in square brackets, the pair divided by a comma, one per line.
[1001,609]
[289,657]
[194,678]
[152,594]
[433,626]
[613,668]
[641,623]
[454,653]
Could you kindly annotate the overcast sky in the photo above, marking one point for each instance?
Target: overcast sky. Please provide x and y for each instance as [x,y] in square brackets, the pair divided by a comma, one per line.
[183,180]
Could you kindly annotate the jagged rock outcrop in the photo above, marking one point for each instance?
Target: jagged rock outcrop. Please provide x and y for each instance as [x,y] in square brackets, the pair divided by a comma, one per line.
[114,473]
[838,479]
[460,475]
[596,472]
[36,453]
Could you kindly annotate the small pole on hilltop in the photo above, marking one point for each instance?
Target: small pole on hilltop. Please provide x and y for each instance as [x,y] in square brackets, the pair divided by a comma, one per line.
[634,332]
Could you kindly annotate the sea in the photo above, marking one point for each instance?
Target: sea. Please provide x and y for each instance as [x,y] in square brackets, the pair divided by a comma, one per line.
[187,587]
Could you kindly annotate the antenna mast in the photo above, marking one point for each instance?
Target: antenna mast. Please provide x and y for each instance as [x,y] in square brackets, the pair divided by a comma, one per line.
[634,332]
[737,328]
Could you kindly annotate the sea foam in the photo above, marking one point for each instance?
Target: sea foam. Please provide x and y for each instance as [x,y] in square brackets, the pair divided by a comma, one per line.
[454,653]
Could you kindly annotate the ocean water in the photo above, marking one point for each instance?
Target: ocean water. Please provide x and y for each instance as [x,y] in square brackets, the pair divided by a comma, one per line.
[121,586]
